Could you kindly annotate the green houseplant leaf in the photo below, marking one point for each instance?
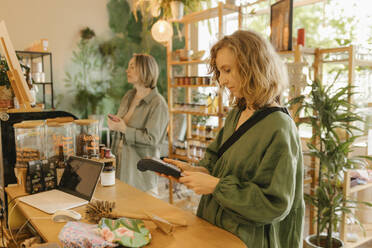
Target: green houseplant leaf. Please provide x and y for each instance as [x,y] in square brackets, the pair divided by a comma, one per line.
[331,116]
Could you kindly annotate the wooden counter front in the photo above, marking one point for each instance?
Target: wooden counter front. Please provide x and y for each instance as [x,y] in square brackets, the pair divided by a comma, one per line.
[198,233]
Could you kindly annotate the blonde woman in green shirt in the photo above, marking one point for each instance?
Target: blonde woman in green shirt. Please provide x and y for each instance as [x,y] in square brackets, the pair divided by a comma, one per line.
[140,124]
[253,189]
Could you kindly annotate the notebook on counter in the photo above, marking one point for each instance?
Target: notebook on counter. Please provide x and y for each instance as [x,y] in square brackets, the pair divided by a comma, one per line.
[76,188]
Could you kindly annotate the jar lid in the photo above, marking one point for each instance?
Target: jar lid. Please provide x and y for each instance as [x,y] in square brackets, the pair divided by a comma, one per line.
[29,124]
[85,122]
[60,120]
[54,124]
[57,124]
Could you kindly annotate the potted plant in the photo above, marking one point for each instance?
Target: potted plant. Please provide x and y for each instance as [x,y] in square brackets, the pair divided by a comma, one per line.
[332,119]
[89,81]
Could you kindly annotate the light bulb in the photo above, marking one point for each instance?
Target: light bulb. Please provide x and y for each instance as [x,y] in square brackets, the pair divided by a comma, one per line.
[161,28]
[162,31]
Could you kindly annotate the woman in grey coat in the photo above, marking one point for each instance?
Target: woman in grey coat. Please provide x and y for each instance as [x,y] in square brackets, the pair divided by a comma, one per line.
[140,124]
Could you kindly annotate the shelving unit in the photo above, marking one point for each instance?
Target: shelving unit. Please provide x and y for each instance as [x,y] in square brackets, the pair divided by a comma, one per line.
[217,12]
[352,58]
[44,57]
[297,57]
[347,190]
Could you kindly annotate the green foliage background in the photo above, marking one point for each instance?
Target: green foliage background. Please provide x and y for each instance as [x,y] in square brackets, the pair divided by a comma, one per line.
[131,37]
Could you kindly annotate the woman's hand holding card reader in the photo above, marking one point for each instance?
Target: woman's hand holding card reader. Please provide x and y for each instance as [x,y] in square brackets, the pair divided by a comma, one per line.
[159,166]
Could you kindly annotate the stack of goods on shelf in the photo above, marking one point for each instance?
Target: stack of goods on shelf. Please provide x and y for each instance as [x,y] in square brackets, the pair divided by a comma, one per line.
[193,81]
[180,148]
[201,136]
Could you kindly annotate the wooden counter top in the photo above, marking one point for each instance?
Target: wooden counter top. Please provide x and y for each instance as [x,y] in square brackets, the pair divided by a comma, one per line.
[198,233]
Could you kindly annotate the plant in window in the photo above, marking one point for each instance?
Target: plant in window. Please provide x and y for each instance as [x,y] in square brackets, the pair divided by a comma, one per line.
[331,116]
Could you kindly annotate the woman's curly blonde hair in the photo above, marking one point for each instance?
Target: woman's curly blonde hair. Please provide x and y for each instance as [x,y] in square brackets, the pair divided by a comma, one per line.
[263,74]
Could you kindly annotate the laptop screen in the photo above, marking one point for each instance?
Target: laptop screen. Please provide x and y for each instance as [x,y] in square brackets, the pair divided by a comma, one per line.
[80,177]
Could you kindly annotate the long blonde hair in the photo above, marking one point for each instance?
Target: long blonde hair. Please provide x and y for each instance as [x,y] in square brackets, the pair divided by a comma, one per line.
[263,74]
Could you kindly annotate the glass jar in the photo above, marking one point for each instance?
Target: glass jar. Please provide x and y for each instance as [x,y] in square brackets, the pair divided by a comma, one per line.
[201,132]
[194,131]
[30,142]
[108,174]
[57,135]
[87,138]
[208,132]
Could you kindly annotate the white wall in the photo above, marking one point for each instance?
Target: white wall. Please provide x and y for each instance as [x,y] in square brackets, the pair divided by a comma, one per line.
[57,20]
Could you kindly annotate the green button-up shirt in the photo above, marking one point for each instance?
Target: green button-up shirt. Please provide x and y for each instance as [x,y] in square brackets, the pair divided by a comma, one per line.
[146,133]
[260,194]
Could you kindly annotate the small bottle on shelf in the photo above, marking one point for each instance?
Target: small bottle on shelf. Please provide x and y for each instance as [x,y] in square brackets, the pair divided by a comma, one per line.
[210,104]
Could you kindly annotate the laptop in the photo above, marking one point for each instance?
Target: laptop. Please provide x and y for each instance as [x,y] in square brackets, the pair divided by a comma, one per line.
[76,188]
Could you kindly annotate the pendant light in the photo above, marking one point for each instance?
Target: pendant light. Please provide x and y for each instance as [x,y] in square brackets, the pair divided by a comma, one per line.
[162,31]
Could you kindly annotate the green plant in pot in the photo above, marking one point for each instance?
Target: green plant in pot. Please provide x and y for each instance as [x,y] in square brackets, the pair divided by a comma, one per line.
[331,116]
[89,80]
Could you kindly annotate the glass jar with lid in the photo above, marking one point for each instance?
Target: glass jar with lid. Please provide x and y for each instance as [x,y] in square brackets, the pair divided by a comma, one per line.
[30,141]
[87,138]
[59,134]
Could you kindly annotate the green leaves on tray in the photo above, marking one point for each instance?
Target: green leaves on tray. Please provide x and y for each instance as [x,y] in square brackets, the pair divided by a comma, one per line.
[125,231]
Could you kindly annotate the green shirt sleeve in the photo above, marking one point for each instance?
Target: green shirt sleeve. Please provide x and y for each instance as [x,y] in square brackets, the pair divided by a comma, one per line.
[268,196]
[153,131]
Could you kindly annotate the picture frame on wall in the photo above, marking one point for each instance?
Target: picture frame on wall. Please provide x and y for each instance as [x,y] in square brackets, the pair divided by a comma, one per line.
[281,25]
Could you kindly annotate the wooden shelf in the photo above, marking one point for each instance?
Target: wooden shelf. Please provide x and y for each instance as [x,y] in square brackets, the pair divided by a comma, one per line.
[193,113]
[303,50]
[193,85]
[307,180]
[32,54]
[360,187]
[208,13]
[362,239]
[358,62]
[188,62]
[185,158]
[347,52]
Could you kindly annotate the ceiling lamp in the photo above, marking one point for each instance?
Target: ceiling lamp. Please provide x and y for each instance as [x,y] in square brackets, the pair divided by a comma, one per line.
[162,31]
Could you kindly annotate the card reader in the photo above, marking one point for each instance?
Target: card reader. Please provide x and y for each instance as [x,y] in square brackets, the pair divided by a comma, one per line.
[160,166]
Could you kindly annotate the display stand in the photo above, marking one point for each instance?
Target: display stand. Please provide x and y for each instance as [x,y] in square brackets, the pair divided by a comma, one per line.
[47,68]
[17,81]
